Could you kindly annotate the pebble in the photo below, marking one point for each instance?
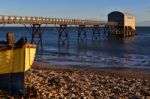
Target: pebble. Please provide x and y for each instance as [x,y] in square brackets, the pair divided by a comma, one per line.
[85,85]
[61,84]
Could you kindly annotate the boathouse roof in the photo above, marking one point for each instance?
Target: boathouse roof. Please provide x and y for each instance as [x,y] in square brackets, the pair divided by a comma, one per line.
[122,13]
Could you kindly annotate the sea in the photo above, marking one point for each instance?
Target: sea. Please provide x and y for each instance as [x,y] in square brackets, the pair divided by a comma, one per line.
[132,52]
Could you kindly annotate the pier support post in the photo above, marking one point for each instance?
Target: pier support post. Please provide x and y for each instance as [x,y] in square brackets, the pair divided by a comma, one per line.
[1,26]
[122,32]
[37,35]
[106,31]
[63,36]
[110,30]
[36,32]
[96,32]
[82,36]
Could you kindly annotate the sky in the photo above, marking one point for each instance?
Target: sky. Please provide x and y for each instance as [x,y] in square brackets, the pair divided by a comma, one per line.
[84,9]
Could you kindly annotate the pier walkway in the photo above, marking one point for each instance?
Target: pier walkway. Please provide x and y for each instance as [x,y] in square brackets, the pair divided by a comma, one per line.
[110,28]
[45,20]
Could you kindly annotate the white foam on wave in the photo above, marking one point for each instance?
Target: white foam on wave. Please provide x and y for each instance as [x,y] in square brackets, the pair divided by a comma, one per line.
[128,60]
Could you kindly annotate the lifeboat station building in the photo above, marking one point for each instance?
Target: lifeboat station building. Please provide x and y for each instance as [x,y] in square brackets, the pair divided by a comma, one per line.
[125,24]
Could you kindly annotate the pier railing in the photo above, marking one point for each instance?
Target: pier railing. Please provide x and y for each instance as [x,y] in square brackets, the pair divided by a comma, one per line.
[45,20]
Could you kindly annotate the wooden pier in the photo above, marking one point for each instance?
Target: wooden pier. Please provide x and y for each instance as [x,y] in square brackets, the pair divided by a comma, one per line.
[111,28]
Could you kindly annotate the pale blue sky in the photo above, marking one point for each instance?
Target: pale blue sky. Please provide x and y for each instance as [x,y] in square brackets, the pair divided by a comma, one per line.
[90,9]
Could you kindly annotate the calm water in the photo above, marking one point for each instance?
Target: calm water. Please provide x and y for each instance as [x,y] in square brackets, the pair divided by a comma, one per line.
[130,52]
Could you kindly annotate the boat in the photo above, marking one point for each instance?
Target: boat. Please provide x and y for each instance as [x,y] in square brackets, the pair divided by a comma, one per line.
[15,60]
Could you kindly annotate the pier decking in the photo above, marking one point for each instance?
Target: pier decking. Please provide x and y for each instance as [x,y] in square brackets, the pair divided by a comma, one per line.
[45,20]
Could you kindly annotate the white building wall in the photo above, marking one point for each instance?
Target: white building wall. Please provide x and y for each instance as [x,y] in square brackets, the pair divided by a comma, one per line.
[129,21]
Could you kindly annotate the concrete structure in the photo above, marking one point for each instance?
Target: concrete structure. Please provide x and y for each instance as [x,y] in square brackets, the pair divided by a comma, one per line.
[126,23]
